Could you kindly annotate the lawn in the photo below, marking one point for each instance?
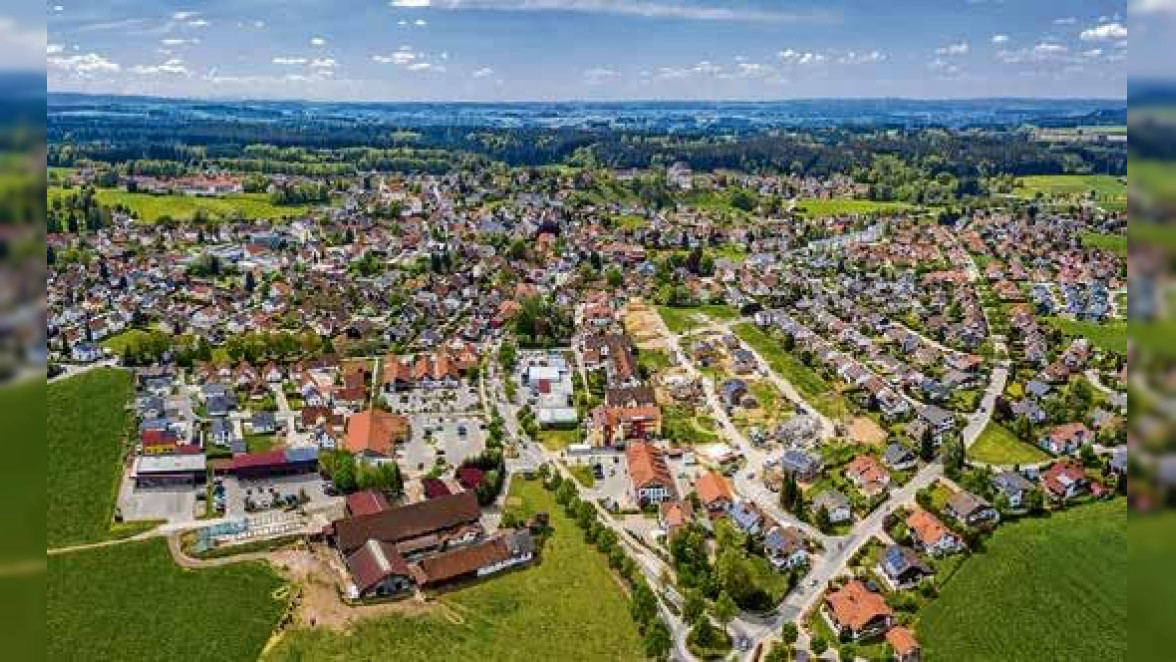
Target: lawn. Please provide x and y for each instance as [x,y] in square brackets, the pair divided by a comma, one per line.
[1106,188]
[260,443]
[1151,584]
[1044,589]
[22,408]
[1111,336]
[812,386]
[583,474]
[816,208]
[569,607]
[682,320]
[998,445]
[151,208]
[557,440]
[1113,243]
[86,423]
[653,361]
[131,602]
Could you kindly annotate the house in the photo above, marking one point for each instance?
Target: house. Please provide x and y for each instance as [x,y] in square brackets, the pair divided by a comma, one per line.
[746,517]
[898,457]
[673,516]
[805,466]
[263,422]
[969,509]
[367,502]
[506,550]
[1066,439]
[868,475]
[221,431]
[1013,486]
[856,612]
[931,535]
[714,493]
[903,567]
[906,647]
[1065,480]
[86,352]
[378,570]
[415,528]
[939,420]
[786,548]
[835,503]
[373,434]
[648,474]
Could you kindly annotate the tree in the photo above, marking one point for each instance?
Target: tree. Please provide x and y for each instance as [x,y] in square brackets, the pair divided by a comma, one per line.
[614,277]
[790,492]
[693,606]
[657,641]
[954,456]
[643,608]
[819,645]
[789,633]
[725,609]
[821,519]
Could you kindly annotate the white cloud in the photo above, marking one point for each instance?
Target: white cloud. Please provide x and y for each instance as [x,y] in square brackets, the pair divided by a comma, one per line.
[58,8]
[599,75]
[1066,20]
[1043,52]
[399,58]
[1050,49]
[83,65]
[666,9]
[944,68]
[172,67]
[1092,53]
[323,63]
[176,41]
[793,57]
[1105,32]
[318,41]
[185,15]
[853,57]
[1000,39]
[54,49]
[484,72]
[960,48]
[420,22]
[198,23]
[289,61]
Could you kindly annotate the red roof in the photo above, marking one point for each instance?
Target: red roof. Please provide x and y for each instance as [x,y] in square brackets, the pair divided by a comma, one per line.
[366,503]
[470,477]
[435,488]
[266,459]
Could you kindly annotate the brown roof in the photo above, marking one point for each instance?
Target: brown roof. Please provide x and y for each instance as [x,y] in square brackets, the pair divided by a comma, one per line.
[622,396]
[459,562]
[712,487]
[366,502]
[407,522]
[375,431]
[855,606]
[647,466]
[374,562]
[902,640]
[926,527]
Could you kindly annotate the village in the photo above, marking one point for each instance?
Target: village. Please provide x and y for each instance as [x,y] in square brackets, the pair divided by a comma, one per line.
[853,400]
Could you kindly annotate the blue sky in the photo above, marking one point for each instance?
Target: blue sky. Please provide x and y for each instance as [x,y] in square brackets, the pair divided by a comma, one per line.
[591,49]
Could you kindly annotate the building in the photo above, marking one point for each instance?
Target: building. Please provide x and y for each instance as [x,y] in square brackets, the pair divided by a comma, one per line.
[181,470]
[969,509]
[504,551]
[786,548]
[649,475]
[673,516]
[805,466]
[906,647]
[1013,486]
[1065,480]
[367,502]
[373,434]
[857,612]
[378,570]
[714,493]
[414,529]
[868,475]
[903,567]
[1066,439]
[931,535]
[835,503]
[269,464]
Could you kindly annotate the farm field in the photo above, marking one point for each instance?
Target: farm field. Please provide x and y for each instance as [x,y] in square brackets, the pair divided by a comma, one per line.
[131,602]
[150,208]
[1072,567]
[568,607]
[1112,336]
[687,319]
[1105,188]
[812,386]
[998,445]
[85,426]
[816,208]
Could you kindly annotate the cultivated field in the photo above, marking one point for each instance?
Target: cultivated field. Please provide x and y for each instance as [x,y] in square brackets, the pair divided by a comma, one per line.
[1103,188]
[998,445]
[151,208]
[131,602]
[569,607]
[1044,589]
[86,424]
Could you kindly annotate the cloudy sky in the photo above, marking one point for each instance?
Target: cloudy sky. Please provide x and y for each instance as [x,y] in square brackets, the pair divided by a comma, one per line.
[589,49]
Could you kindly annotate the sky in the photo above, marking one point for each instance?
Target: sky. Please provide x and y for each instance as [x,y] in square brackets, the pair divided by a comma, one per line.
[519,50]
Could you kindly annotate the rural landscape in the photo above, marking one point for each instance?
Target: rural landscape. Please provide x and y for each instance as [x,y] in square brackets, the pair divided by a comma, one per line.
[650,374]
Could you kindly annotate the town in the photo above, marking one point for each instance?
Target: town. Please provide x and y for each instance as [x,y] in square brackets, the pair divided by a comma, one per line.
[787,414]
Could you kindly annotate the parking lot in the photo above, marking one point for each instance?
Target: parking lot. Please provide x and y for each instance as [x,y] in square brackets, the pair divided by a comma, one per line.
[174,504]
[264,493]
[463,399]
[441,435]
[612,482]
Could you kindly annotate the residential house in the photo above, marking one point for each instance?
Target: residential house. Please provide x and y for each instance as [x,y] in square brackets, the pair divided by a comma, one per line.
[1066,439]
[868,475]
[1013,486]
[856,612]
[786,547]
[898,457]
[714,493]
[805,466]
[835,503]
[747,517]
[969,509]
[372,435]
[1065,480]
[673,516]
[263,422]
[378,570]
[902,641]
[903,567]
[931,535]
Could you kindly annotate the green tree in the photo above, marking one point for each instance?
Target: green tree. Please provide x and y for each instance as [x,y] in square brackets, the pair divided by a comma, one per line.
[789,633]
[657,641]
[693,606]
[725,609]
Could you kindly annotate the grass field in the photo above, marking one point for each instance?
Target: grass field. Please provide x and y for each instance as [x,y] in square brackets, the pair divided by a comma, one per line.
[687,319]
[654,360]
[998,445]
[811,385]
[131,602]
[1112,336]
[1114,243]
[129,338]
[1105,188]
[1151,584]
[583,474]
[150,208]
[556,440]
[816,208]
[22,408]
[569,607]
[1044,589]
[85,426]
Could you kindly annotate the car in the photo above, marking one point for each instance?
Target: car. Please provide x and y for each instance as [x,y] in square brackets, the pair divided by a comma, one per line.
[743,643]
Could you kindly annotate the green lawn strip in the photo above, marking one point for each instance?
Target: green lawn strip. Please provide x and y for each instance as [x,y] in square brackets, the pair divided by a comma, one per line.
[998,445]
[22,409]
[1043,589]
[260,443]
[1114,243]
[816,208]
[653,360]
[568,607]
[131,602]
[86,426]
[681,320]
[583,474]
[150,208]
[556,440]
[1151,585]
[1110,336]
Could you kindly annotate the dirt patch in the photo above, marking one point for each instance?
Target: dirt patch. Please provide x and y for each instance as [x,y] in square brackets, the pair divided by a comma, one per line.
[865,431]
[642,322]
